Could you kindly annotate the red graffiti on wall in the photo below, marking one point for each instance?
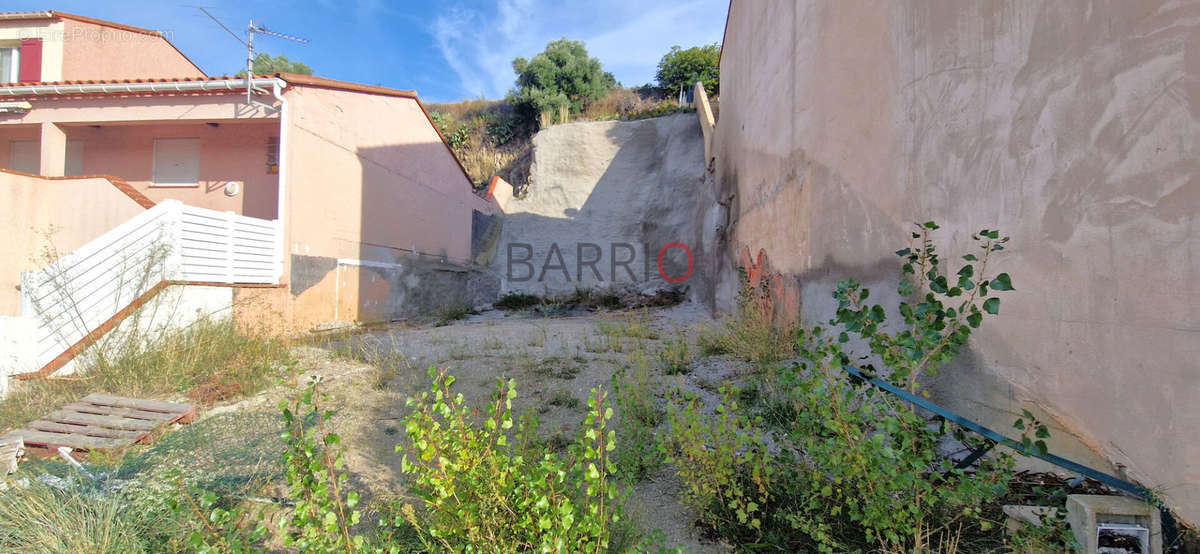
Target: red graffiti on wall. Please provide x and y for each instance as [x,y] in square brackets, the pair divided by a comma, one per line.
[773,295]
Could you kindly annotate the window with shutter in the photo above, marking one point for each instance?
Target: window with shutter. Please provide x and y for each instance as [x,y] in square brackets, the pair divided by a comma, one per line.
[25,156]
[31,61]
[10,60]
[177,162]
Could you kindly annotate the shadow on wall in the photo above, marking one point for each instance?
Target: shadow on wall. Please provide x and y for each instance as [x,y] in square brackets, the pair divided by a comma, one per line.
[400,249]
[607,198]
[607,201]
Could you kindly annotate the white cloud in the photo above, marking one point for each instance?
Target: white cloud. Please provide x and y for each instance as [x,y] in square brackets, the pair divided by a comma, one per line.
[629,36]
[631,50]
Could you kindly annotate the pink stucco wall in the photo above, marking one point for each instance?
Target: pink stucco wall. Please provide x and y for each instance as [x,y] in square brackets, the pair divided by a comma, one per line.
[374,170]
[231,151]
[92,51]
[62,214]
[234,151]
[369,178]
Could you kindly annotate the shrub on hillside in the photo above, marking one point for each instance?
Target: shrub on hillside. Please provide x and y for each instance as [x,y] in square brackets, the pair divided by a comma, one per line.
[562,77]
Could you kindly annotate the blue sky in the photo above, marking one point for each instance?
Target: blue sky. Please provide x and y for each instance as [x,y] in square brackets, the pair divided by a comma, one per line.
[446,50]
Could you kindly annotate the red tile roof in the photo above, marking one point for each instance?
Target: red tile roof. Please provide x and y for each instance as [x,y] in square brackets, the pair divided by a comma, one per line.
[314,81]
[290,78]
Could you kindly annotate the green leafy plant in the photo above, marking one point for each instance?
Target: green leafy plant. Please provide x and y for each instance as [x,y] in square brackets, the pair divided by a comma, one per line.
[315,470]
[494,486]
[939,323]
[561,78]
[638,418]
[728,476]
[456,134]
[683,67]
[218,529]
[1028,424]
[856,468]
[674,356]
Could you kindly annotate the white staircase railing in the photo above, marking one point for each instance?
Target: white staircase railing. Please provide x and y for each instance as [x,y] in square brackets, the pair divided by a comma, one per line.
[170,242]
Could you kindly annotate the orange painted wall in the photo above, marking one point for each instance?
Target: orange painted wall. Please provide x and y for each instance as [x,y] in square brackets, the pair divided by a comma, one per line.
[93,51]
[71,211]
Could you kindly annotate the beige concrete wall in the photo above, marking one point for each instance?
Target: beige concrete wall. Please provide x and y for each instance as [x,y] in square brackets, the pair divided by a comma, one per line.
[377,177]
[93,51]
[1071,126]
[43,216]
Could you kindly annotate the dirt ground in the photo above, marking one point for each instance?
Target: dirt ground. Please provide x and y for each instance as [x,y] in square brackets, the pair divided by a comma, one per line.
[370,374]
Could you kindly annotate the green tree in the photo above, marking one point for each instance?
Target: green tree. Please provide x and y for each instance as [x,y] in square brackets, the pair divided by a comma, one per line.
[681,67]
[561,76]
[266,64]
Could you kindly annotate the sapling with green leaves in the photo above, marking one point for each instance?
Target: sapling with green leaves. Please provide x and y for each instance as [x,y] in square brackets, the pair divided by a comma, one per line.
[491,486]
[941,317]
[324,508]
[853,468]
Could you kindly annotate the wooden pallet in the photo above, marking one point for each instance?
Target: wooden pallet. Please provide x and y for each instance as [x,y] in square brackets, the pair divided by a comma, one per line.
[102,422]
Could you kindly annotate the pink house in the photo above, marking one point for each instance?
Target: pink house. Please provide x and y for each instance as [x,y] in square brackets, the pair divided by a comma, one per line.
[375,214]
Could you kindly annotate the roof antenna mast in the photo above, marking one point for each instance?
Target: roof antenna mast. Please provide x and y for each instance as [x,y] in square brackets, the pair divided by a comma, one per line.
[261,29]
[249,44]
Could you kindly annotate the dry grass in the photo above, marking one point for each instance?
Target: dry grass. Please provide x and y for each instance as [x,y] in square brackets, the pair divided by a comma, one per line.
[489,138]
[207,355]
[627,103]
[752,335]
[45,519]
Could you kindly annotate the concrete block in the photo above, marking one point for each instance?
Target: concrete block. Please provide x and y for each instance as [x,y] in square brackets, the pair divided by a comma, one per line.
[1088,514]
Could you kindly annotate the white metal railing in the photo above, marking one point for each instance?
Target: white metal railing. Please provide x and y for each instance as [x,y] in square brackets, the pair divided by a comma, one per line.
[170,242]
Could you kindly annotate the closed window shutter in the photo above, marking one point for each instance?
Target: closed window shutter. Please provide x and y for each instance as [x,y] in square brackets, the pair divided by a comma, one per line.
[31,60]
[177,162]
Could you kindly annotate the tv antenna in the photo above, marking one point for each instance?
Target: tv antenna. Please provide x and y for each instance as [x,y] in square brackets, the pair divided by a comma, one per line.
[251,29]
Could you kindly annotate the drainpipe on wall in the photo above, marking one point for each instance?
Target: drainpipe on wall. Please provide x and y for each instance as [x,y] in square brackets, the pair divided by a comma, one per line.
[280,201]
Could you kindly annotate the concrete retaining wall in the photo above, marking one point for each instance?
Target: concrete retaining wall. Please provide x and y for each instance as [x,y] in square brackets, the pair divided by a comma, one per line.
[614,193]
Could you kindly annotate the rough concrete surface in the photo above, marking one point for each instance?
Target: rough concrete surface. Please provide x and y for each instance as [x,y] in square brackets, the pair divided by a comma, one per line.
[1071,126]
[603,192]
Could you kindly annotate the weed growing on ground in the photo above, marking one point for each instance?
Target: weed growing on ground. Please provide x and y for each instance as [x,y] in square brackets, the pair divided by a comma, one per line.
[492,485]
[722,458]
[639,417]
[850,468]
[674,356]
[211,360]
[633,325]
[41,518]
[563,399]
[538,338]
[325,508]
[558,367]
[752,334]
[515,301]
[449,314]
